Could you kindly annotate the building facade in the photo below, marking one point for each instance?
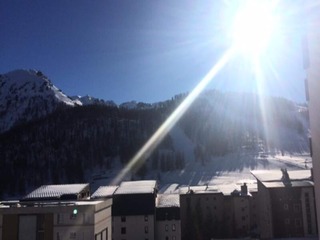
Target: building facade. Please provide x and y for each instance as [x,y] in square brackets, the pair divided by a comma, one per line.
[217,212]
[133,211]
[286,203]
[48,218]
[168,224]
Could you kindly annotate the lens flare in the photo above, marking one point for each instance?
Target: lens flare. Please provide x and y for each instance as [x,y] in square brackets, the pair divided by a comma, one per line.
[162,131]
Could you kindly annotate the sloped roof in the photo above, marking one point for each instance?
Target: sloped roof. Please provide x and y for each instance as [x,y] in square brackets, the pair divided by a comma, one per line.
[137,187]
[167,200]
[55,191]
[104,192]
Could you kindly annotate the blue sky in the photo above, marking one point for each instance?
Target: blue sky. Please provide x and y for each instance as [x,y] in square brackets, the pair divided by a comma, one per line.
[142,50]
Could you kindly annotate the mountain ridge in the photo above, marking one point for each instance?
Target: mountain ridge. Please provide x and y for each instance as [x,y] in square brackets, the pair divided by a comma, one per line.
[220,133]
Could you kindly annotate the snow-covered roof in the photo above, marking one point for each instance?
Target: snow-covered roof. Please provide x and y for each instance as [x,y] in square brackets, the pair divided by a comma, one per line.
[137,187]
[199,189]
[275,178]
[56,191]
[225,189]
[167,200]
[104,191]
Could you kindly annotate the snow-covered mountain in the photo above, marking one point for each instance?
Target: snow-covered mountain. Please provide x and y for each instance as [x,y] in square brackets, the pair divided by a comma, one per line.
[221,134]
[136,105]
[28,95]
[88,100]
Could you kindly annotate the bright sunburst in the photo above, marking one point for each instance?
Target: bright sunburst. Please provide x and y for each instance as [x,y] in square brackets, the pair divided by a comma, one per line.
[253,26]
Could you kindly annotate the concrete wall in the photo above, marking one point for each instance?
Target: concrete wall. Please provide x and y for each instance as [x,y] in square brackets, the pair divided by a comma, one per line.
[136,227]
[103,220]
[265,212]
[241,215]
[313,77]
[1,227]
[168,230]
[308,212]
[59,221]
[201,214]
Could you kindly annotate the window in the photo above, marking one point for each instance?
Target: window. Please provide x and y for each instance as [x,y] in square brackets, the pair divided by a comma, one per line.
[173,227]
[123,230]
[73,235]
[296,207]
[287,221]
[40,222]
[58,236]
[98,236]
[166,228]
[306,88]
[310,146]
[146,218]
[285,206]
[297,222]
[123,218]
[73,216]
[305,53]
[146,230]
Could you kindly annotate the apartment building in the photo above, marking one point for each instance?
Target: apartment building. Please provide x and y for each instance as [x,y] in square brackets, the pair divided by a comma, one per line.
[222,211]
[56,212]
[133,210]
[286,203]
[168,224]
[240,214]
[201,212]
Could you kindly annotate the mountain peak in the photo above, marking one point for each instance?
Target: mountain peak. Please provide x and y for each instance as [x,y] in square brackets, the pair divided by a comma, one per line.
[28,95]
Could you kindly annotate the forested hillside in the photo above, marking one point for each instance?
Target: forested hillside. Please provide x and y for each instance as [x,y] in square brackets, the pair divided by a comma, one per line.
[70,144]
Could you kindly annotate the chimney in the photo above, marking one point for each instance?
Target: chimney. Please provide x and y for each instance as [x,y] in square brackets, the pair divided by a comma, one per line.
[244,189]
[285,177]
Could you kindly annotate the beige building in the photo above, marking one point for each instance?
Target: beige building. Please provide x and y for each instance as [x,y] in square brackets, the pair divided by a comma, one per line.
[286,204]
[44,215]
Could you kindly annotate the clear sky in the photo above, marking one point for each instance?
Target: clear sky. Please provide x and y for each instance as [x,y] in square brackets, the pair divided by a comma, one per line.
[142,50]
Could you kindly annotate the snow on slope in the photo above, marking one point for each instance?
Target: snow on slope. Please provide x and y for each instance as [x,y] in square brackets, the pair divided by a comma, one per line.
[26,95]
[88,100]
[230,170]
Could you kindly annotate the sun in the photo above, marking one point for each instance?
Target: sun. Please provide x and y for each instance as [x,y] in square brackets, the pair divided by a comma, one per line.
[253,26]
